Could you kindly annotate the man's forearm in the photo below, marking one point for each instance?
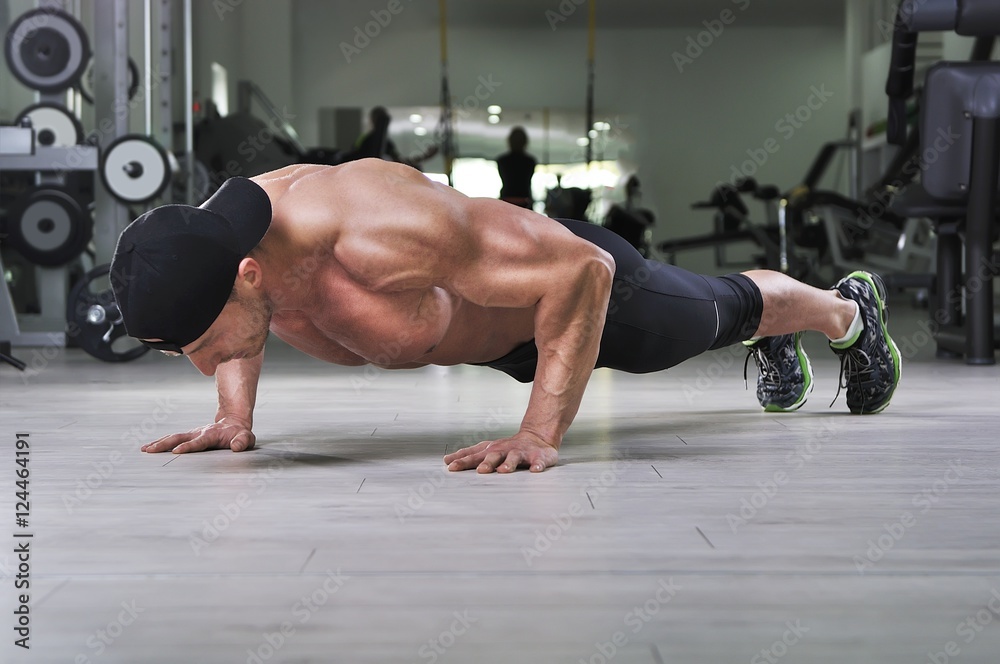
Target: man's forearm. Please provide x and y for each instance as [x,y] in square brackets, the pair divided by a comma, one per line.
[568,336]
[236,382]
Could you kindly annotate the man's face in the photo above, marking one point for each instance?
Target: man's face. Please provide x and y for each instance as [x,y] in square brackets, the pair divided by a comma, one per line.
[240,331]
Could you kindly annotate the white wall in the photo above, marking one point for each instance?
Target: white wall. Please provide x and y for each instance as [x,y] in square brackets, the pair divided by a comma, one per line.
[692,126]
[251,39]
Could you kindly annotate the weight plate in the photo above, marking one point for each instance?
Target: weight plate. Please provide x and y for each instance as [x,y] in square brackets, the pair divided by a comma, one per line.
[94,323]
[47,49]
[135,168]
[87,81]
[49,227]
[46,225]
[54,125]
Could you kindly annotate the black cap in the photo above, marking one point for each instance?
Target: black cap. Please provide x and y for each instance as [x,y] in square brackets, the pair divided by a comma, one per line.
[175,266]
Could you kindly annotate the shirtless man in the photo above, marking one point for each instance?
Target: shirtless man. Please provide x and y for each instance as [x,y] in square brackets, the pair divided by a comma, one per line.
[371,262]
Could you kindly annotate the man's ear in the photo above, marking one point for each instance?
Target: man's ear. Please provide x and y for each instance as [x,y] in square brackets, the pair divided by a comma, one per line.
[250,273]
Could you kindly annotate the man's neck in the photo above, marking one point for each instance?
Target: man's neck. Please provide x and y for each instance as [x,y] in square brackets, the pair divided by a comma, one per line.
[289,270]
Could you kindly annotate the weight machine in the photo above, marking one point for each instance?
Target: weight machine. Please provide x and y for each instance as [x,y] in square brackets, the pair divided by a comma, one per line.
[48,50]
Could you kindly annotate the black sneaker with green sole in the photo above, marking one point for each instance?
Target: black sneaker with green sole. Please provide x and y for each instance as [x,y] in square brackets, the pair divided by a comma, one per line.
[870,364]
[786,376]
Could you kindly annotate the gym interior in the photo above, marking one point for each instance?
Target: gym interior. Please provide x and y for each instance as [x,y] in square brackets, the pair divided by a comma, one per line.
[682,522]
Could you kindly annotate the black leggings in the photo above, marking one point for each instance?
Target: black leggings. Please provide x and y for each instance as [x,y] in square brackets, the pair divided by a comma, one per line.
[659,315]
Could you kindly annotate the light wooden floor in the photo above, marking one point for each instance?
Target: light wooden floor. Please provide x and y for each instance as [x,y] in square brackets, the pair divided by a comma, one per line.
[876,538]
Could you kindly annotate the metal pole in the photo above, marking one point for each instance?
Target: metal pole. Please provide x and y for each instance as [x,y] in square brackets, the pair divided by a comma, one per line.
[189,101]
[76,98]
[147,20]
[110,110]
[783,235]
[447,126]
[591,47]
[979,242]
[164,89]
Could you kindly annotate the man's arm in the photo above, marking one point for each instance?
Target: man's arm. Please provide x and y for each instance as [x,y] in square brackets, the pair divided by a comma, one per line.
[236,382]
[575,285]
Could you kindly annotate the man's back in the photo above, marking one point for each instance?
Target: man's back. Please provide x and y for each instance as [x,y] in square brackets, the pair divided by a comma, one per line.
[366,262]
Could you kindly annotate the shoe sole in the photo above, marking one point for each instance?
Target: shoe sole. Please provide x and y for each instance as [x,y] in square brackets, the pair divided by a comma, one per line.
[807,371]
[875,282]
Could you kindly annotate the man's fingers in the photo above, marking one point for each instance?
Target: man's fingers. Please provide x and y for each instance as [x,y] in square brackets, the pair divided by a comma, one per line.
[466,463]
[503,456]
[166,443]
[538,465]
[514,459]
[242,442]
[196,444]
[466,451]
[491,462]
[543,459]
[205,438]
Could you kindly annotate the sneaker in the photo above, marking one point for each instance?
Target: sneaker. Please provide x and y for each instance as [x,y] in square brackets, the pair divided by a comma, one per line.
[786,376]
[870,363]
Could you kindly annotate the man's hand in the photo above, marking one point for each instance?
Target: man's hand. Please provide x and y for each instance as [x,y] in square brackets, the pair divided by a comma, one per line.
[228,432]
[505,455]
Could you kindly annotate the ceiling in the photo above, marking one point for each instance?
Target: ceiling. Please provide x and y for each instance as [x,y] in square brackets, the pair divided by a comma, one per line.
[548,14]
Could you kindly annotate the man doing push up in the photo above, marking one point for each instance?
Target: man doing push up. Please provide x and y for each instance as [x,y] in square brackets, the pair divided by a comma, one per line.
[371,262]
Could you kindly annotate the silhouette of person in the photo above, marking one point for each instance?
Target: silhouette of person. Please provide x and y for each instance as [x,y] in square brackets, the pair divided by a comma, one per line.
[516,168]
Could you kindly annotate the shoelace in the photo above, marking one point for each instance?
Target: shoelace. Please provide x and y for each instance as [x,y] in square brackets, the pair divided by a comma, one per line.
[764,366]
[854,361]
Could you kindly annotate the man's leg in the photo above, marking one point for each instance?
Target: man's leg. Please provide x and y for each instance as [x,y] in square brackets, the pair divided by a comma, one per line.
[792,306]
[853,315]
